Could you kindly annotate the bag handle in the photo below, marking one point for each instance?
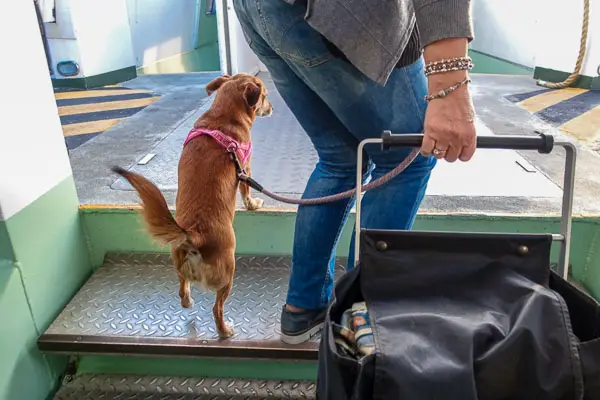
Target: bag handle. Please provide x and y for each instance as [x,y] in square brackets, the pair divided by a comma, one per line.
[542,143]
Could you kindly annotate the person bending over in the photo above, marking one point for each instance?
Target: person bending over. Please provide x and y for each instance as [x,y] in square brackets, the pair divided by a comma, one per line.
[347,74]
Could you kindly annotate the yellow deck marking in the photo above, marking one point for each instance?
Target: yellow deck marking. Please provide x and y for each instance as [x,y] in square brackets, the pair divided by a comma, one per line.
[94,93]
[545,100]
[88,127]
[585,128]
[105,106]
[111,206]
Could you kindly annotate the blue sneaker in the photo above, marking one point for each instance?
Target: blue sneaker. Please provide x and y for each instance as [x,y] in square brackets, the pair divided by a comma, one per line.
[300,327]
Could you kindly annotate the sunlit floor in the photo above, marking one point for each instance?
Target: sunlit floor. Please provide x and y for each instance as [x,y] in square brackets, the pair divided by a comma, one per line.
[284,158]
[150,142]
[495,181]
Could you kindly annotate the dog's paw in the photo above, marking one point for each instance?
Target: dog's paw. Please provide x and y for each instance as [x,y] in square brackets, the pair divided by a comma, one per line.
[187,302]
[227,331]
[253,204]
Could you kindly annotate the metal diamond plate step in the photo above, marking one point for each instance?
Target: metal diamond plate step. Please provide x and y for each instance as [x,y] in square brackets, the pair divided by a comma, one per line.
[130,306]
[180,388]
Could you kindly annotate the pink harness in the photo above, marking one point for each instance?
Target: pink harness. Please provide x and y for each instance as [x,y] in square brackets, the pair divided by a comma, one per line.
[243,150]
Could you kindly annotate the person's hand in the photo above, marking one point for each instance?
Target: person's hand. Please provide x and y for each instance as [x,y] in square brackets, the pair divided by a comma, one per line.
[449,131]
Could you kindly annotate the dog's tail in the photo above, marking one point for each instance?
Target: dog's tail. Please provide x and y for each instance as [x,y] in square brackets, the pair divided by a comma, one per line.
[159,220]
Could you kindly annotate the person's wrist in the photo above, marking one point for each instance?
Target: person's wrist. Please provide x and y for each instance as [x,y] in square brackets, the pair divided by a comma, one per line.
[451,86]
[442,81]
[450,48]
[446,48]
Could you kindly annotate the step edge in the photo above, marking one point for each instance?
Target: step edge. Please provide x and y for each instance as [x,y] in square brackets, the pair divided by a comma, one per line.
[175,385]
[176,347]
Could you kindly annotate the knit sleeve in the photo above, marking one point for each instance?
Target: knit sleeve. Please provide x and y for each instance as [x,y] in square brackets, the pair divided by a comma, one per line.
[443,19]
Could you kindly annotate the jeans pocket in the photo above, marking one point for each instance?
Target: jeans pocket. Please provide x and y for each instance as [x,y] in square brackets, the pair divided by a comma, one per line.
[252,38]
[237,7]
[248,38]
[304,45]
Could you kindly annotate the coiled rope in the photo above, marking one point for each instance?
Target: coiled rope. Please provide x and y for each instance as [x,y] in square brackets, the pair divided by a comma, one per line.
[582,48]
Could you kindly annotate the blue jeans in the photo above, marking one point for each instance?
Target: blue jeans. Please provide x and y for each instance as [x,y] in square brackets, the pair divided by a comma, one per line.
[337,107]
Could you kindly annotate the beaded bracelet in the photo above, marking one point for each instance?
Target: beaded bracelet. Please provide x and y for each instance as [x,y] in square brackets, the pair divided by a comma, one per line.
[444,92]
[448,64]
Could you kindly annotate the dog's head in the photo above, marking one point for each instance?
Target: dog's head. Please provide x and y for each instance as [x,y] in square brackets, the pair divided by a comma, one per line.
[245,89]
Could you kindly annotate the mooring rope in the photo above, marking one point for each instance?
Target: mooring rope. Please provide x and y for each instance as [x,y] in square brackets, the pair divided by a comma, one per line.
[582,48]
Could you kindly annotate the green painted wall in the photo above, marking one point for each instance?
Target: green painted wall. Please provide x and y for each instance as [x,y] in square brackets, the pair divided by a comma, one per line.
[122,230]
[42,265]
[24,372]
[551,75]
[6,252]
[271,233]
[486,64]
[207,28]
[205,57]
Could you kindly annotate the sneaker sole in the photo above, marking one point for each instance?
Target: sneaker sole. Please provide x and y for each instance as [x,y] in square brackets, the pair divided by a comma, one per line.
[302,337]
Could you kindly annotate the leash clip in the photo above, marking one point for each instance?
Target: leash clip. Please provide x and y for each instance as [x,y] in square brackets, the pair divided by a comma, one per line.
[232,147]
[232,150]
[250,182]
[240,171]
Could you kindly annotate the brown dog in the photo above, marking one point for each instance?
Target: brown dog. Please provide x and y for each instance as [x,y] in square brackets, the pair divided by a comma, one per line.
[201,236]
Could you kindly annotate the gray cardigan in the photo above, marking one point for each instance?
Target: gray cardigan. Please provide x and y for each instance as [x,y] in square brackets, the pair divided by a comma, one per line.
[377,35]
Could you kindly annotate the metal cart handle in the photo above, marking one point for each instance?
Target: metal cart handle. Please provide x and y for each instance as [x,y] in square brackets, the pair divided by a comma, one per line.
[542,143]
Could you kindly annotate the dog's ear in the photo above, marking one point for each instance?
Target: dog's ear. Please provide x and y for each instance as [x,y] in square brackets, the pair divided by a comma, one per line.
[216,83]
[252,93]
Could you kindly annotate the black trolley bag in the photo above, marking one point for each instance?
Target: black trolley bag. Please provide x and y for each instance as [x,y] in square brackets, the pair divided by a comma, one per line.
[465,315]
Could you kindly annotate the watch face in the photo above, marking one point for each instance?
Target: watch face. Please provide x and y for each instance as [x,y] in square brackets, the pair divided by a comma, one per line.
[67,68]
